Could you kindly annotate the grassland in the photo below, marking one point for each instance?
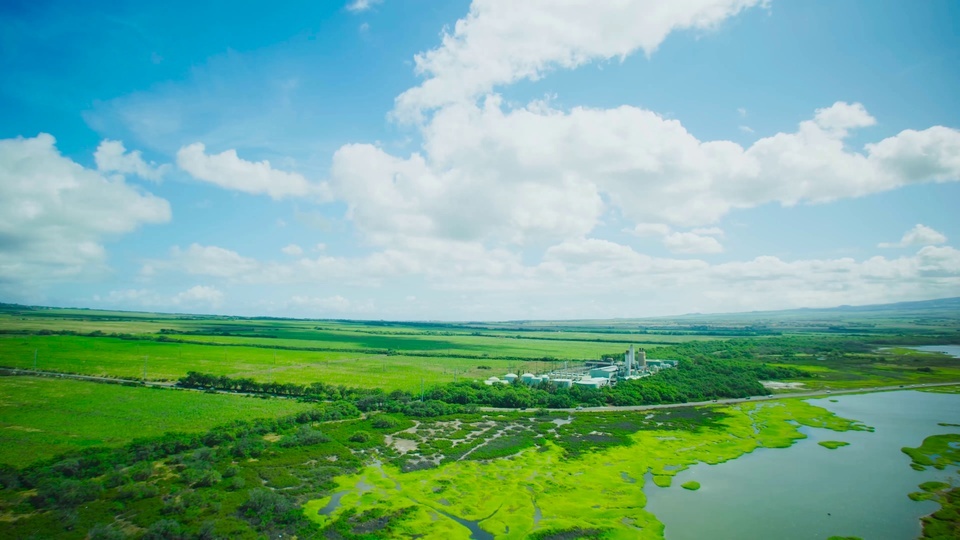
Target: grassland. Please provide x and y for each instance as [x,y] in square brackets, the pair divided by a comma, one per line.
[41,417]
[166,347]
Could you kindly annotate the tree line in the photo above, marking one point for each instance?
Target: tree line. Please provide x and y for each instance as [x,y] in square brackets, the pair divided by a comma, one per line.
[696,379]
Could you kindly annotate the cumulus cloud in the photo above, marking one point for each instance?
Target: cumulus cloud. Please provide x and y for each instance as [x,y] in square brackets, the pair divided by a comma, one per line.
[55,214]
[199,295]
[359,6]
[293,250]
[207,261]
[919,235]
[535,174]
[112,156]
[503,41]
[699,240]
[229,171]
[688,242]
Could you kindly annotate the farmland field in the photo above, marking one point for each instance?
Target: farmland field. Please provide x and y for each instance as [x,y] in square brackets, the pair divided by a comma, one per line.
[43,417]
[368,355]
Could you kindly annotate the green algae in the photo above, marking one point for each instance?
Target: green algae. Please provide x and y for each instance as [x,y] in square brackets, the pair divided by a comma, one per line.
[549,490]
[833,445]
[691,485]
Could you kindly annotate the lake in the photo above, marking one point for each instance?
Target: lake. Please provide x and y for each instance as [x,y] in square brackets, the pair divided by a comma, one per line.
[952,350]
[809,492]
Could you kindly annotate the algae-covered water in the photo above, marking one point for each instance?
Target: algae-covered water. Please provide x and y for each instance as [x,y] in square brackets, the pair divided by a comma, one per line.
[811,492]
[767,478]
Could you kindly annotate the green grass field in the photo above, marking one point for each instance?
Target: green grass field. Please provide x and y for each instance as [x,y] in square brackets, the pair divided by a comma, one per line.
[113,357]
[41,417]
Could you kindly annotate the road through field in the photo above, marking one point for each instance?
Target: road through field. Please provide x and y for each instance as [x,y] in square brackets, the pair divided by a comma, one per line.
[818,393]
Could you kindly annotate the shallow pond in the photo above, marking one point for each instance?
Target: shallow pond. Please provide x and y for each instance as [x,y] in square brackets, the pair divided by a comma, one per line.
[811,492]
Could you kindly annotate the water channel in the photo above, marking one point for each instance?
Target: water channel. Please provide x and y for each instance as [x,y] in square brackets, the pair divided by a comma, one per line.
[810,492]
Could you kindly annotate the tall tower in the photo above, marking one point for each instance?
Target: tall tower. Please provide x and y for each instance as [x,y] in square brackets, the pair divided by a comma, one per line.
[643,359]
[630,361]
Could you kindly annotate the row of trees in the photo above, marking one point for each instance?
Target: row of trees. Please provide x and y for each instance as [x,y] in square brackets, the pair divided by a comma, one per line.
[693,380]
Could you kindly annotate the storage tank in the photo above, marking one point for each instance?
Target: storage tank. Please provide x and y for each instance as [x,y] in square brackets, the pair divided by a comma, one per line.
[526,378]
[510,377]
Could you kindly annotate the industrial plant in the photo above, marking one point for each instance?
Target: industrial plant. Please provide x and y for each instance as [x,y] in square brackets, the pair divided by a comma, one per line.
[593,373]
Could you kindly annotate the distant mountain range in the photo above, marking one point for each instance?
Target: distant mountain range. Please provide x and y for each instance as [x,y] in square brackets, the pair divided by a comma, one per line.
[941,308]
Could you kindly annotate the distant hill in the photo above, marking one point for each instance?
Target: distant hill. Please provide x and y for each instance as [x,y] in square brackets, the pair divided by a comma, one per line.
[940,308]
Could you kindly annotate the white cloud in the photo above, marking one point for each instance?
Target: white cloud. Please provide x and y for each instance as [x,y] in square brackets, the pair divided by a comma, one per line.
[55,214]
[502,41]
[841,117]
[742,111]
[199,295]
[536,174]
[112,156]
[229,171]
[359,6]
[688,242]
[699,240]
[293,250]
[746,129]
[919,235]
[207,261]
[651,229]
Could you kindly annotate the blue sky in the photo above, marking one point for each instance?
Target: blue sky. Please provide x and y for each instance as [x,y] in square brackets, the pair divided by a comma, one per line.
[488,160]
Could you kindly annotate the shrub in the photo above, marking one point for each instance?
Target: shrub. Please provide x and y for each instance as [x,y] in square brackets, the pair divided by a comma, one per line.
[165,529]
[105,532]
[265,507]
[137,491]
[360,437]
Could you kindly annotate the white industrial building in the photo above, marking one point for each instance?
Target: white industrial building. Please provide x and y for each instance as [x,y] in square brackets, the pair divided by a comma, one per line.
[593,373]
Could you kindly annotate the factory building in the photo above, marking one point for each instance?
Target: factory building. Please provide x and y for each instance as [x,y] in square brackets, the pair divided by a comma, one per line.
[606,372]
[592,382]
[594,373]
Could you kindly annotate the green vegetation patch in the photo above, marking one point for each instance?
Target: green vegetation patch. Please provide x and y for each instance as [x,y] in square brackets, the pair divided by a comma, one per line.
[503,495]
[936,451]
[43,417]
[573,533]
[691,485]
[833,445]
[945,522]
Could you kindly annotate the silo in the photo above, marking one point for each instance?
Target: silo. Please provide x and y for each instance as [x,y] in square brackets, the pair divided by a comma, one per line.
[526,378]
[510,377]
